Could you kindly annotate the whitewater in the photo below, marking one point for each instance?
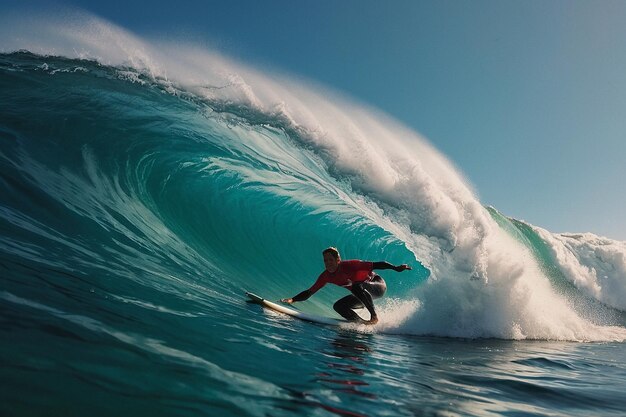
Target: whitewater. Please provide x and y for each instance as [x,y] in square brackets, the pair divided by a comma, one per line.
[146,184]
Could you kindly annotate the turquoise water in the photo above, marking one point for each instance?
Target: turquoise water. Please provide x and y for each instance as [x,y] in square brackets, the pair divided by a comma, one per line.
[134,213]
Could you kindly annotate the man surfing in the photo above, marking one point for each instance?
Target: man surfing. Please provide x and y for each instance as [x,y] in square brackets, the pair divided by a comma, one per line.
[356,276]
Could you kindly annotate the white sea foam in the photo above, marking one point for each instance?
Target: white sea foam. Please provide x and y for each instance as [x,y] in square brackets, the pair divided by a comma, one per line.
[483,282]
[594,264]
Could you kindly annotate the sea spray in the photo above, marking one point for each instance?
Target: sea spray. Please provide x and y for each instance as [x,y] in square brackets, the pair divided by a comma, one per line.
[594,264]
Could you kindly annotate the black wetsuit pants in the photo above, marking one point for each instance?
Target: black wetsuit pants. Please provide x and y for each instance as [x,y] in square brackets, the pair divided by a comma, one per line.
[363,294]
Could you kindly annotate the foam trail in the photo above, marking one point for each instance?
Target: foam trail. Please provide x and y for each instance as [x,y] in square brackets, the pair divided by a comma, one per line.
[484,283]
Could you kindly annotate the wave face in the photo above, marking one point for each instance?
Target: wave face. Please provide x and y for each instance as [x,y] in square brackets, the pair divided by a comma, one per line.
[163,174]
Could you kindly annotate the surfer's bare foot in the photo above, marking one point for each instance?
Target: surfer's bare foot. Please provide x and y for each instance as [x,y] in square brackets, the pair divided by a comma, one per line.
[287,300]
[373,320]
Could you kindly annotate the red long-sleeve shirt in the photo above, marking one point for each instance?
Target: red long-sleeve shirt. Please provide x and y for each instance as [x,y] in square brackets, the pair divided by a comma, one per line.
[346,273]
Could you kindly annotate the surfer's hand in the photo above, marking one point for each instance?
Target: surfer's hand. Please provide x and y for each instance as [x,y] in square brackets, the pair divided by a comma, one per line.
[287,300]
[402,267]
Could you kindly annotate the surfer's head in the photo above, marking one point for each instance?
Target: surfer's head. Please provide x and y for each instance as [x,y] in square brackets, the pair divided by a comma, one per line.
[331,259]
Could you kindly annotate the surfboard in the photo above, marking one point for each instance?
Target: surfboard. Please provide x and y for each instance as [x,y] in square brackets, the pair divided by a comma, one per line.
[294,313]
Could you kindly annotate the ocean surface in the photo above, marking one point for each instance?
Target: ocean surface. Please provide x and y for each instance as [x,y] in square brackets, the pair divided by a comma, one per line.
[145,186]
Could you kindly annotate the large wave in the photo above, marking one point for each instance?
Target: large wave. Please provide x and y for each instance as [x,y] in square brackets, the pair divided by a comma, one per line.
[173,166]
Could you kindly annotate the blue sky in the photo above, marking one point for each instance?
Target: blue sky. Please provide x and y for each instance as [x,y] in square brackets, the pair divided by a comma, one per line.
[527,98]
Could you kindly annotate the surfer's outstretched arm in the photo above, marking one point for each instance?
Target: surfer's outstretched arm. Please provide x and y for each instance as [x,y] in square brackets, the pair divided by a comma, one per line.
[387,265]
[304,295]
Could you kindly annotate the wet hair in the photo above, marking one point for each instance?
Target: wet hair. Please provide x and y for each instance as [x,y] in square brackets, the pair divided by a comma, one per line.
[332,251]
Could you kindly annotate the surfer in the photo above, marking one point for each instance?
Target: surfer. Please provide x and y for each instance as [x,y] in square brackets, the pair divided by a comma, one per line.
[356,276]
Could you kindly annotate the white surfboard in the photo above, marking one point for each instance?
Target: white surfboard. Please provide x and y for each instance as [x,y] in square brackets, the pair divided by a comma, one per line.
[294,313]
